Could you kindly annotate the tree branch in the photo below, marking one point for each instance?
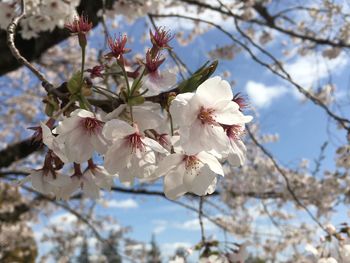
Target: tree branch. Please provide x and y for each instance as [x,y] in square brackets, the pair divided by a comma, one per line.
[17,151]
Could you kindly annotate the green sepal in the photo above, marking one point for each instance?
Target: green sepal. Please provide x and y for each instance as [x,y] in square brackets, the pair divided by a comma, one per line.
[133,101]
[74,84]
[51,106]
[198,77]
[49,110]
[137,83]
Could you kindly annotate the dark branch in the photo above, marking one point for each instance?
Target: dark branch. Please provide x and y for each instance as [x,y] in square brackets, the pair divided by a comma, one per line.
[17,152]
[32,49]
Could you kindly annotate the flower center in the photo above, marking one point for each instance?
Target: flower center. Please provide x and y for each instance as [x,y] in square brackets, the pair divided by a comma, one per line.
[234,132]
[135,142]
[163,139]
[191,162]
[206,116]
[92,125]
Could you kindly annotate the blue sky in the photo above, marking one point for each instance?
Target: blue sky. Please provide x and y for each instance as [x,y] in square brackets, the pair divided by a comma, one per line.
[301,126]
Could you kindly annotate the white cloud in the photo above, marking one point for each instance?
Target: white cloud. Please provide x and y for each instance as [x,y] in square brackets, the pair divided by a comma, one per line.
[63,218]
[192,11]
[261,95]
[160,226]
[189,225]
[126,203]
[308,69]
[193,225]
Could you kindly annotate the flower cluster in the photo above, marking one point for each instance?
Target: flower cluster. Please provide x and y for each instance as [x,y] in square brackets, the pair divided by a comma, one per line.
[182,133]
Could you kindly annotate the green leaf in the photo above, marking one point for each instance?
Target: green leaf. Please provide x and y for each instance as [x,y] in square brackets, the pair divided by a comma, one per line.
[133,101]
[198,77]
[49,110]
[74,84]
[137,83]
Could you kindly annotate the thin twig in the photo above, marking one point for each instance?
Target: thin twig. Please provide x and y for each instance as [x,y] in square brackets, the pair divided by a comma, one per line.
[284,76]
[269,22]
[11,30]
[200,218]
[287,76]
[285,177]
[143,191]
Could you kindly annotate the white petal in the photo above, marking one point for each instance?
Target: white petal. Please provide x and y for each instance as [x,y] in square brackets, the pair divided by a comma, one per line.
[190,174]
[78,147]
[117,157]
[236,156]
[148,116]
[67,125]
[226,112]
[117,129]
[173,184]
[39,184]
[65,192]
[214,90]
[89,187]
[83,113]
[58,148]
[102,178]
[203,137]
[177,107]
[154,145]
[126,177]
[60,180]
[212,162]
[201,183]
[168,163]
[115,113]
[99,143]
[158,82]
[47,135]
[212,187]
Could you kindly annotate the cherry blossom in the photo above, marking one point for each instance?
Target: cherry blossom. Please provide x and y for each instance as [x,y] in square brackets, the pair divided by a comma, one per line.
[131,154]
[200,116]
[46,182]
[236,154]
[148,115]
[85,182]
[157,81]
[161,38]
[117,47]
[90,182]
[102,178]
[56,144]
[80,25]
[81,135]
[189,173]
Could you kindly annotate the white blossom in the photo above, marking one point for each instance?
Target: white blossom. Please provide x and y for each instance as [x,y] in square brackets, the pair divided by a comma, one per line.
[46,182]
[189,173]
[131,154]
[158,81]
[200,116]
[81,135]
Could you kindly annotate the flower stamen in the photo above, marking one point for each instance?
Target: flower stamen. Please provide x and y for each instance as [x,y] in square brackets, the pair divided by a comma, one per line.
[191,162]
[135,142]
[91,125]
[206,116]
[234,132]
